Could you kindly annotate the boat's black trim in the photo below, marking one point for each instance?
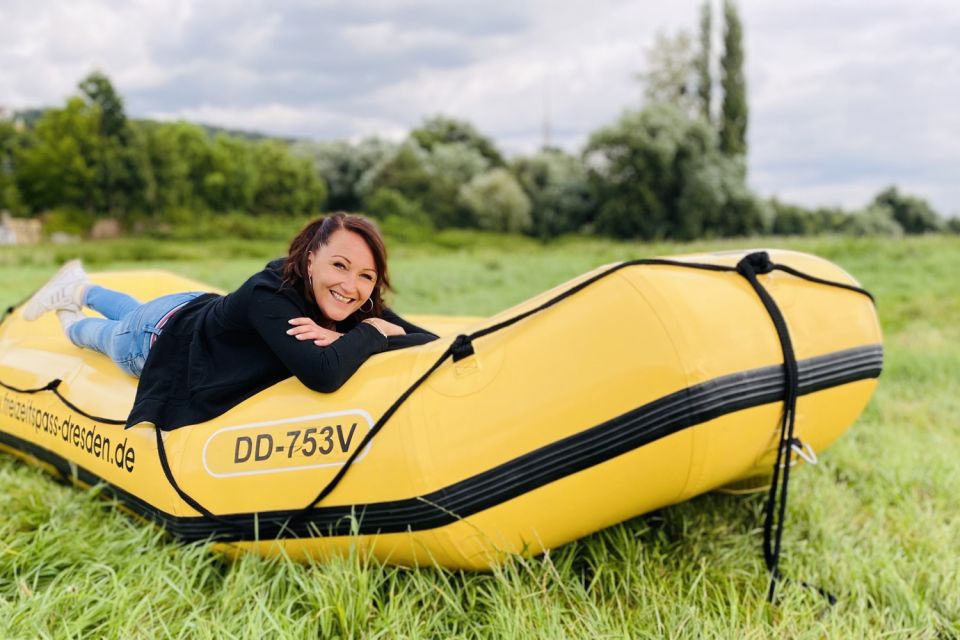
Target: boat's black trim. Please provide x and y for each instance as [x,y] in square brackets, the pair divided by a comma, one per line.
[593,446]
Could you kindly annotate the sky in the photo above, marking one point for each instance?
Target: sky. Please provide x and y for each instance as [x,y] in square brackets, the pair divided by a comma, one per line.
[846,97]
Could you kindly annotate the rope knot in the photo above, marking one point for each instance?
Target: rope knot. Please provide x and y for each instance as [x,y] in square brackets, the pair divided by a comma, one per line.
[756,262]
[53,384]
[461,348]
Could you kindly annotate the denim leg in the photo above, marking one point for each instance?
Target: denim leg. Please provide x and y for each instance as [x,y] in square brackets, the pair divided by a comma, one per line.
[127,341]
[113,338]
[113,305]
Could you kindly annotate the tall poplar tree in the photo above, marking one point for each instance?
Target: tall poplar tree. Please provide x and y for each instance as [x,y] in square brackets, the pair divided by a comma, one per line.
[704,81]
[121,165]
[733,119]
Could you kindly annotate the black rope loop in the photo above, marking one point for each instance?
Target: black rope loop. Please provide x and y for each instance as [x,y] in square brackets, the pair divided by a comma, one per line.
[756,263]
[461,348]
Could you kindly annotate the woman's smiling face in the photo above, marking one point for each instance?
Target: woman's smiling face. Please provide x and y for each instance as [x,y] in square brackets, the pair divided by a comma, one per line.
[342,274]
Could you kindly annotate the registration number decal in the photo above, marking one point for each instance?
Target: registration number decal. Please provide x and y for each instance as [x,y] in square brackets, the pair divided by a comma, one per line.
[292,444]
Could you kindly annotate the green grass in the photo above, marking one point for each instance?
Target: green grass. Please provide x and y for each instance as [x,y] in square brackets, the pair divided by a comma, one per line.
[877,522]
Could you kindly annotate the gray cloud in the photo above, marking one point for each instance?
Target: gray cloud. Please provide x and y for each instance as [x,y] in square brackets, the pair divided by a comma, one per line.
[846,97]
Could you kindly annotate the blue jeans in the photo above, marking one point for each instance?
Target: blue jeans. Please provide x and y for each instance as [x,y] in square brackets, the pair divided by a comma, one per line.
[128,328]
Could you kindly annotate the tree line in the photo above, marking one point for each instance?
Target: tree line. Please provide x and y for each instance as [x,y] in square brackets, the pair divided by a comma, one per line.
[673,169]
[87,160]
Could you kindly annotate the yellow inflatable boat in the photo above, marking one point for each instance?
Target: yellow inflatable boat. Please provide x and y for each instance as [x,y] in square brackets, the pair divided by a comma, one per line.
[632,387]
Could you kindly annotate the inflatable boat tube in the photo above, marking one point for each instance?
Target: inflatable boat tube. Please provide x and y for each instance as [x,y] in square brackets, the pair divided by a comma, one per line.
[632,387]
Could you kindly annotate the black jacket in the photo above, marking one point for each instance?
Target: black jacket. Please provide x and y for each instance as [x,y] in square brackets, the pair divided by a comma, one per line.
[217,351]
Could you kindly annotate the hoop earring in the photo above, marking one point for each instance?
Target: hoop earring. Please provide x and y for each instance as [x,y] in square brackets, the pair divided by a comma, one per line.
[370,300]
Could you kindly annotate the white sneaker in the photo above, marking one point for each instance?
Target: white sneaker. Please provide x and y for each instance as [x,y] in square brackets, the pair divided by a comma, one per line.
[63,291]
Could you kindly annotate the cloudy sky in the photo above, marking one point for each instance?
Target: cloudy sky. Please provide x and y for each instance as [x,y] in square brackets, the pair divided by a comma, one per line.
[846,97]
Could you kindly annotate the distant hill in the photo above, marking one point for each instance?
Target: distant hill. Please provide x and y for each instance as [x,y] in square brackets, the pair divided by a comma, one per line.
[238,133]
[29,118]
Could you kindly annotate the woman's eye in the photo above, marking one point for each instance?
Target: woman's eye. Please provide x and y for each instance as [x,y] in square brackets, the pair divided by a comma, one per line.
[368,277]
[339,265]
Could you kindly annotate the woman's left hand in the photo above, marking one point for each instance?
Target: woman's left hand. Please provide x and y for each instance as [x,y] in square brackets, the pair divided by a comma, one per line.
[307,329]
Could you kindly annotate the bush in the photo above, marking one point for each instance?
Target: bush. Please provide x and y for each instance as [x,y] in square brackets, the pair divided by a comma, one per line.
[68,220]
[791,220]
[559,192]
[386,203]
[915,215]
[496,202]
[875,220]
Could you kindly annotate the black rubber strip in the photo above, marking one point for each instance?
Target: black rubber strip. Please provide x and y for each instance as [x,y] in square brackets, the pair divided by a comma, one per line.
[565,457]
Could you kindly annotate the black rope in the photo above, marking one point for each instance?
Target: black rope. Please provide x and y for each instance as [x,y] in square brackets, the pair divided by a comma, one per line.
[805,276]
[50,386]
[57,393]
[53,386]
[776,510]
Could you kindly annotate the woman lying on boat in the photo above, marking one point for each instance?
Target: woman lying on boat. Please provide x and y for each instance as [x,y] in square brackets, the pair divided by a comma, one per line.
[316,314]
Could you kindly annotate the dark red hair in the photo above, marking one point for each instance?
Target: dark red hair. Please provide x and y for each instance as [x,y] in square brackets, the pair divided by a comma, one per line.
[316,234]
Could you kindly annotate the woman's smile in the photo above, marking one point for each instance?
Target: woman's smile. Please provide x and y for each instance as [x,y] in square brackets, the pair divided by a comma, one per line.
[341,298]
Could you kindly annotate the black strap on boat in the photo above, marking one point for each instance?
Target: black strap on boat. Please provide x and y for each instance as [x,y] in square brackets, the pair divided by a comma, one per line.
[53,386]
[750,267]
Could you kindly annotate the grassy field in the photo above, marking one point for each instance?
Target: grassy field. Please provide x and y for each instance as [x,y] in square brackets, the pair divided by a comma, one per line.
[877,522]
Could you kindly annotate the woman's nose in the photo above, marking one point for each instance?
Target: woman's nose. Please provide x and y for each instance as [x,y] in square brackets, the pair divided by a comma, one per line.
[350,282]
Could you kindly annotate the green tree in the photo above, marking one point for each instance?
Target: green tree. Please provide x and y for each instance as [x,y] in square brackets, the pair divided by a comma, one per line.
[10,141]
[121,163]
[341,165]
[231,183]
[99,91]
[670,75]
[791,219]
[431,178]
[733,119]
[715,201]
[632,166]
[915,215]
[180,155]
[387,203]
[559,191]
[58,166]
[457,161]
[442,130]
[874,220]
[702,62]
[658,173]
[285,184]
[497,202]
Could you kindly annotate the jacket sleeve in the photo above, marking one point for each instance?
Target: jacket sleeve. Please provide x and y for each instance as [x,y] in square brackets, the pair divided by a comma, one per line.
[409,327]
[322,369]
[415,335]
